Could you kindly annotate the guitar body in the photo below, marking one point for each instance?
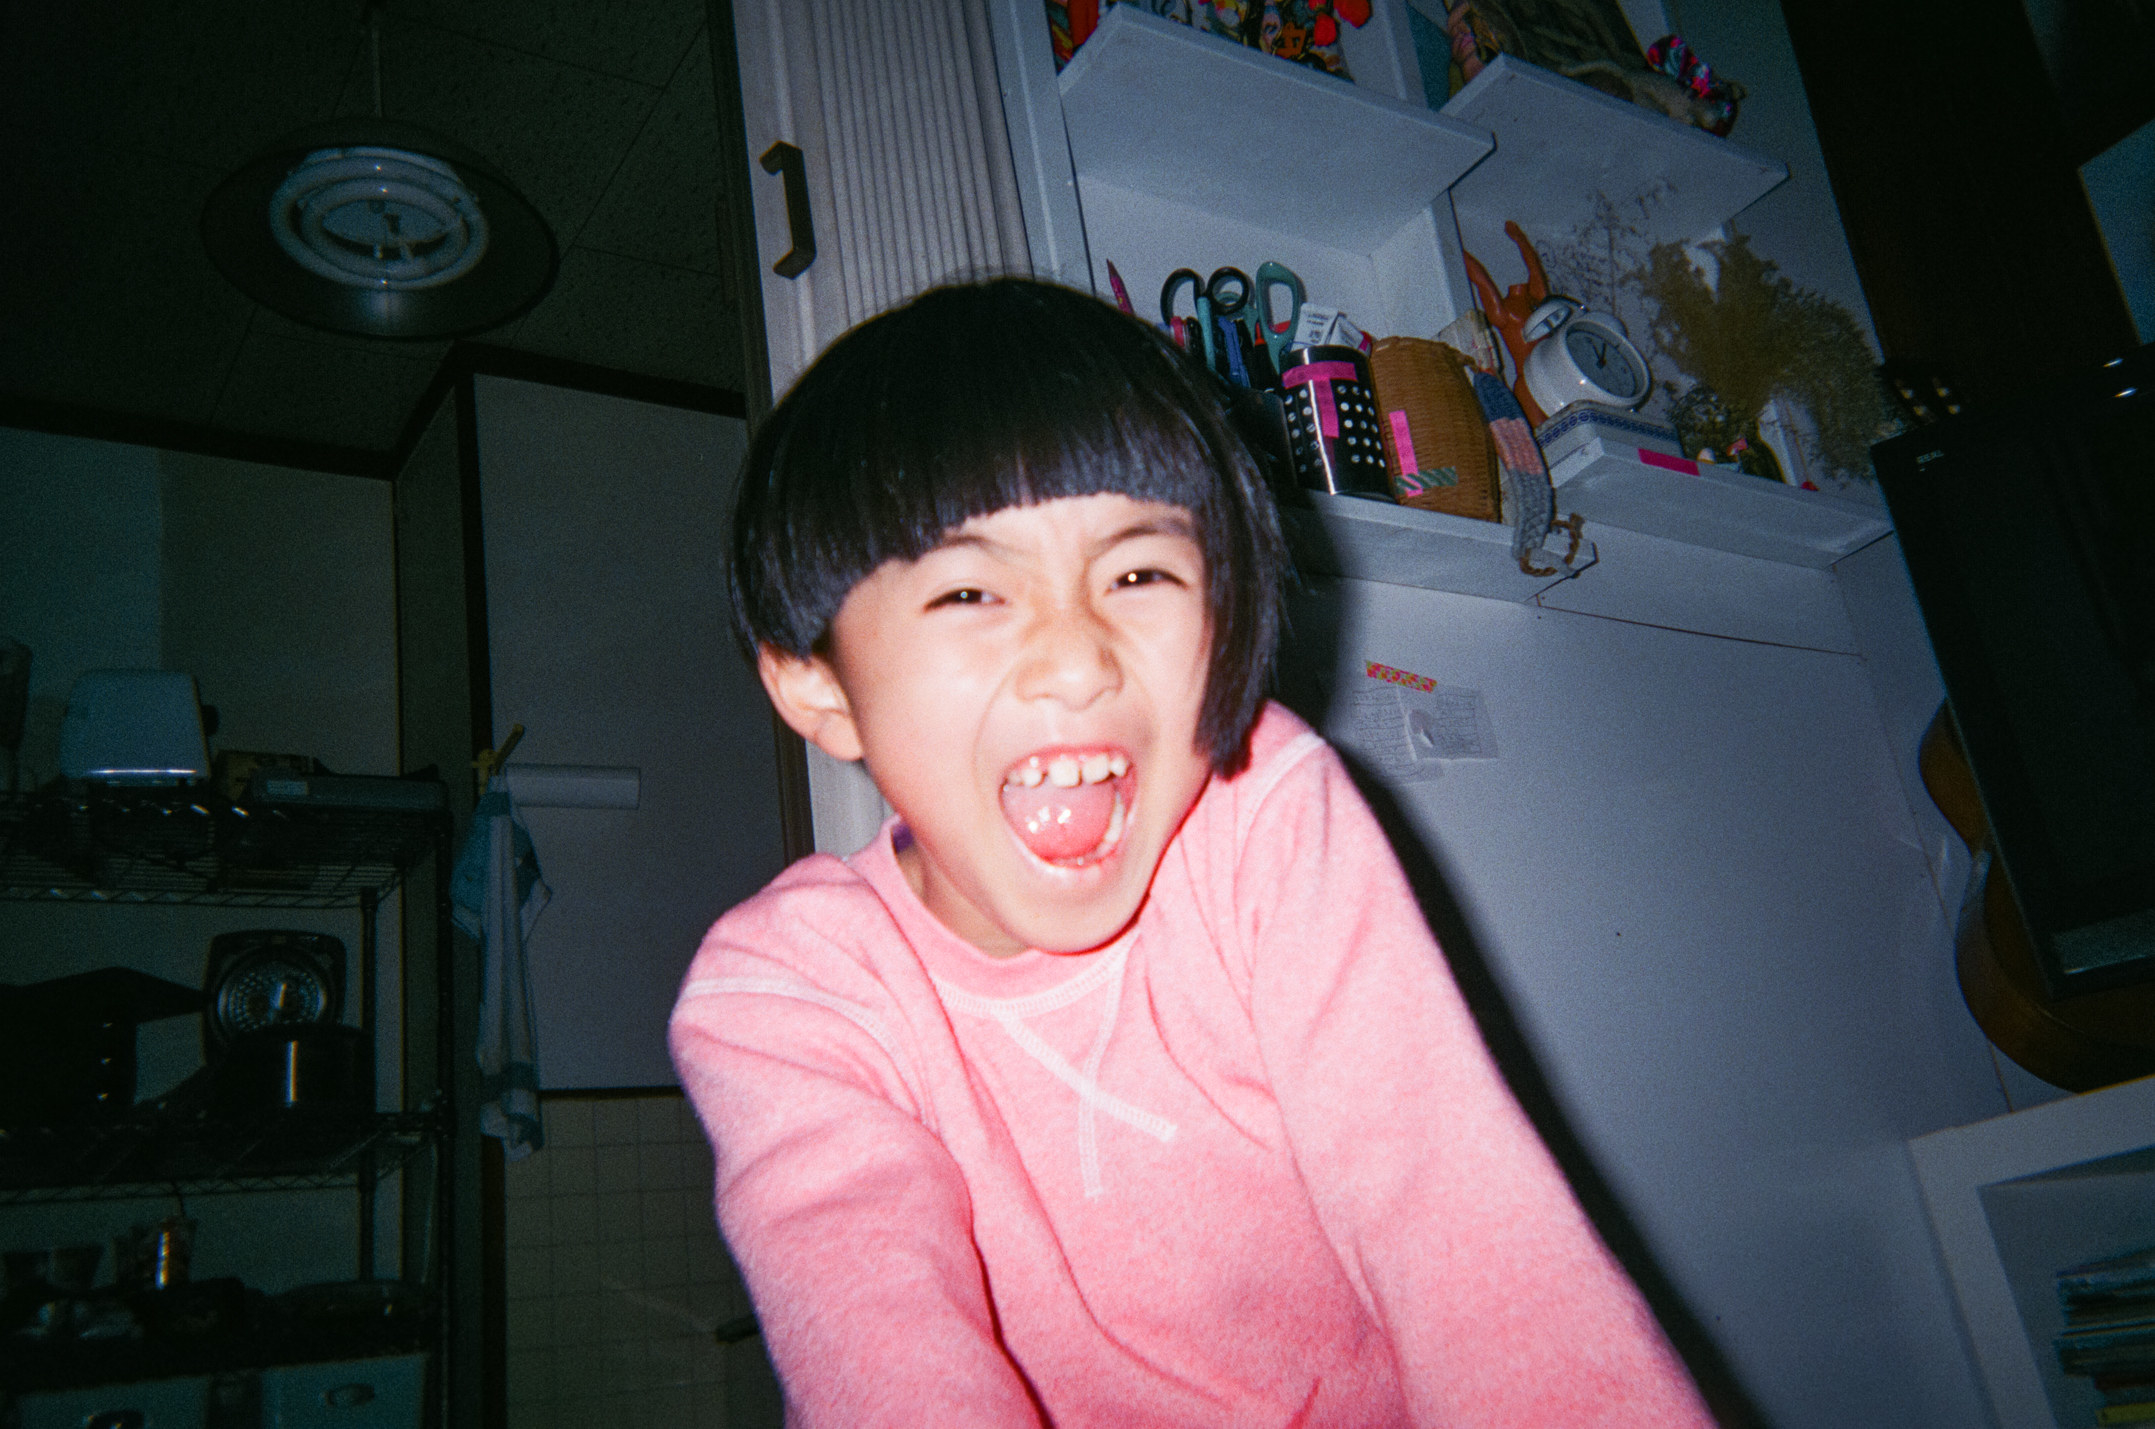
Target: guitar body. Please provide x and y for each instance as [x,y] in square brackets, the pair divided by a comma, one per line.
[2079,1043]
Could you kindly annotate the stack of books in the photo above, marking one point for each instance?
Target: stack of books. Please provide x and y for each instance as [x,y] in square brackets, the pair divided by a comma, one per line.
[2110,1333]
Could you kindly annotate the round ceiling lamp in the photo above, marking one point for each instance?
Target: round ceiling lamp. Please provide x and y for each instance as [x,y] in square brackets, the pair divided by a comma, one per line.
[378,228]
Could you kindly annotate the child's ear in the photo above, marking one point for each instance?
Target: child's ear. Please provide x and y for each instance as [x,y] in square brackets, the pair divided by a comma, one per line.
[808,697]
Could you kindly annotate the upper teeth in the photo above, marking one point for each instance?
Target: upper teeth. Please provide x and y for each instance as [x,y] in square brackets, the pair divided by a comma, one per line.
[1067,771]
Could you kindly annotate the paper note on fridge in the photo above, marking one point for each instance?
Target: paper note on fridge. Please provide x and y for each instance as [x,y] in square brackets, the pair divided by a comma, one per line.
[1449,723]
[1405,726]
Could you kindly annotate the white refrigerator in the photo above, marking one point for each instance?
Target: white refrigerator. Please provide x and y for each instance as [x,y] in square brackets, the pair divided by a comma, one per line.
[1672,833]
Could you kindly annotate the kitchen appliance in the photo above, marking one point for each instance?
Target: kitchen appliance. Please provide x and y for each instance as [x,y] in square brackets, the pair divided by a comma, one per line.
[300,1067]
[134,727]
[67,1045]
[260,978]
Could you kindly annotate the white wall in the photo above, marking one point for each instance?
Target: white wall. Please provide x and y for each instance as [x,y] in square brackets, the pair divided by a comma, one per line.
[80,525]
[605,526]
[1798,225]
[1696,874]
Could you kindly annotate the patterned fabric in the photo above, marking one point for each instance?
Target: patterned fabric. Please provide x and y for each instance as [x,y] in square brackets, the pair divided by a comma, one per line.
[1675,58]
[1529,499]
[1305,31]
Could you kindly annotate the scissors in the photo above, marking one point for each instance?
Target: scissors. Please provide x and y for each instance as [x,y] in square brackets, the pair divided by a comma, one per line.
[1278,334]
[1226,294]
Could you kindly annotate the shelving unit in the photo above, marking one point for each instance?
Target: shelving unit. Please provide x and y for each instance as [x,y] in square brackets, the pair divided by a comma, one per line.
[147,1157]
[203,852]
[161,848]
[2017,1198]
[1560,147]
[1371,200]
[1191,88]
[1725,511]
[1400,545]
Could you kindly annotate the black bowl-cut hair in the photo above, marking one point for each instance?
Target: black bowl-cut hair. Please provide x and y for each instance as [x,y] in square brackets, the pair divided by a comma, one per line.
[972,399]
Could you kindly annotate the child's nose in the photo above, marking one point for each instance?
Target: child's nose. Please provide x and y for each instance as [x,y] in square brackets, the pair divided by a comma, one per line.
[1070,658]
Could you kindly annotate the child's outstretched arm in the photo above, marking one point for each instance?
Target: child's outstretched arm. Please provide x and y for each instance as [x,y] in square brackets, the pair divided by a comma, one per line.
[847,1215]
[1450,1216]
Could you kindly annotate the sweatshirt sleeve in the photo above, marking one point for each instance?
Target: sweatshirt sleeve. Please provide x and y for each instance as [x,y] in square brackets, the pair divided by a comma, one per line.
[849,1218]
[1449,1214]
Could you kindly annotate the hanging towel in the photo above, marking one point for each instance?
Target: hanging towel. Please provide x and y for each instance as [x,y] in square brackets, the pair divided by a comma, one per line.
[496,894]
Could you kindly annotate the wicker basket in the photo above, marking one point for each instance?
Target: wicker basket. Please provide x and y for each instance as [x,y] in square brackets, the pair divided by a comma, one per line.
[1436,441]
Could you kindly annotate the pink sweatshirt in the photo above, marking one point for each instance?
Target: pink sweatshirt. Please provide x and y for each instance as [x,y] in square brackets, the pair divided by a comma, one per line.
[1249,1165]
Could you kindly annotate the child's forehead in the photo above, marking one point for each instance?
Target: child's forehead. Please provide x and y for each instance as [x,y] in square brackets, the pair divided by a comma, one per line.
[1086,523]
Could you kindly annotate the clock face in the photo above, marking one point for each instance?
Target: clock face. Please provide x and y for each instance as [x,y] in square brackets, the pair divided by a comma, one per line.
[1604,360]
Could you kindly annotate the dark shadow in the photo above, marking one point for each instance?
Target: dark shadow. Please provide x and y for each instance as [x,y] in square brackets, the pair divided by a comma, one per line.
[1731,1404]
[1309,644]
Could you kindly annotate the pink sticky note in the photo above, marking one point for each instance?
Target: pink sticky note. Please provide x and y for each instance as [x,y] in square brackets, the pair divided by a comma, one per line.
[1403,443]
[1672,463]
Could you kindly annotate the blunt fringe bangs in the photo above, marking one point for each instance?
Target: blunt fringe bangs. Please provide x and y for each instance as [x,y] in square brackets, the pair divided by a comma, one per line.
[973,399]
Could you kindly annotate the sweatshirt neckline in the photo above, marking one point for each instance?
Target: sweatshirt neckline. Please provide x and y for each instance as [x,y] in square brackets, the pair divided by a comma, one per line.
[948,957]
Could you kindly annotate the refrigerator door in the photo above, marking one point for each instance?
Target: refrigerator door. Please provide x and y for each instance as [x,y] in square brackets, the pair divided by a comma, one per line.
[898,176]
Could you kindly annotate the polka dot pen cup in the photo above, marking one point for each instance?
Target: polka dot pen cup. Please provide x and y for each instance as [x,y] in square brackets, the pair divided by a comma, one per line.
[1332,428]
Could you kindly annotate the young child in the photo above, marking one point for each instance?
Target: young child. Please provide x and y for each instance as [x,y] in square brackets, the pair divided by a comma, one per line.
[1118,1081]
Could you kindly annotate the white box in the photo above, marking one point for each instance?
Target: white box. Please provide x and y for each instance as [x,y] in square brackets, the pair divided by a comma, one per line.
[383,1393]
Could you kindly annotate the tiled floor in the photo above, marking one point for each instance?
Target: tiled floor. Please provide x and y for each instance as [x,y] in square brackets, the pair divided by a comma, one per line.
[616,1275]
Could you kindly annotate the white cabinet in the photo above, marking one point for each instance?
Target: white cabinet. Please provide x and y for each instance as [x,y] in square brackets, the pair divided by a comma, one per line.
[1242,158]
[1188,151]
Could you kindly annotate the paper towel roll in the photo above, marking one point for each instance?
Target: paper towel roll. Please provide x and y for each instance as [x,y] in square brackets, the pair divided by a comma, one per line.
[574,786]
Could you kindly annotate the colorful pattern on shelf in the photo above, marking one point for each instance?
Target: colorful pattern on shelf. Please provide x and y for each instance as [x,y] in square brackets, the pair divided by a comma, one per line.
[1304,31]
[161,846]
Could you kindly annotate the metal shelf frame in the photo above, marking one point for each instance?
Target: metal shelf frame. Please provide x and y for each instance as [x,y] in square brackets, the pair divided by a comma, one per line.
[178,847]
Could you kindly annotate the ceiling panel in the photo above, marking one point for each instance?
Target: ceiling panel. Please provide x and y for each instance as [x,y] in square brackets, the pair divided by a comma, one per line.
[207,83]
[554,130]
[638,317]
[107,297]
[662,204]
[635,39]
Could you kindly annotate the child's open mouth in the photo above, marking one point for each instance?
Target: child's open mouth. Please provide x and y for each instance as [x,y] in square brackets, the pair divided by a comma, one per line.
[1069,807]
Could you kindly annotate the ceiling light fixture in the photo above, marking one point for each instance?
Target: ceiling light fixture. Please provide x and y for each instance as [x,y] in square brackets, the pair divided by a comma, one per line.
[378,228]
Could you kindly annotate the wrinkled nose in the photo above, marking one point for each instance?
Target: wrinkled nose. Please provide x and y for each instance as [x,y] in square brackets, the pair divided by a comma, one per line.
[1069,658]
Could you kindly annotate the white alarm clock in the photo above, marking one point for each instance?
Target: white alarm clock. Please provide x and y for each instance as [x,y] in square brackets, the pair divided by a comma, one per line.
[1582,356]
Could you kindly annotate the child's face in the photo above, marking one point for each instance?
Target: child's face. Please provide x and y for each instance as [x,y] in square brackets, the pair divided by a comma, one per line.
[1027,697]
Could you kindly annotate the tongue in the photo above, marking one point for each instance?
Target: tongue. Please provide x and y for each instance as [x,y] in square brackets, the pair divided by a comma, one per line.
[1060,823]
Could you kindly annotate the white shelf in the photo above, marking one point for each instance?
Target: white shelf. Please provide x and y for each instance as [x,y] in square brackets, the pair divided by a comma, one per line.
[1962,1172]
[1160,109]
[1560,144]
[1618,485]
[1374,540]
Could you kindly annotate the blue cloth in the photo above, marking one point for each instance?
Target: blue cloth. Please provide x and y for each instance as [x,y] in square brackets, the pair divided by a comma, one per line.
[496,894]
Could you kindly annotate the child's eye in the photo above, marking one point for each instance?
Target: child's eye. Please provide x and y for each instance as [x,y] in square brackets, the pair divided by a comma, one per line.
[965,596]
[1144,577]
